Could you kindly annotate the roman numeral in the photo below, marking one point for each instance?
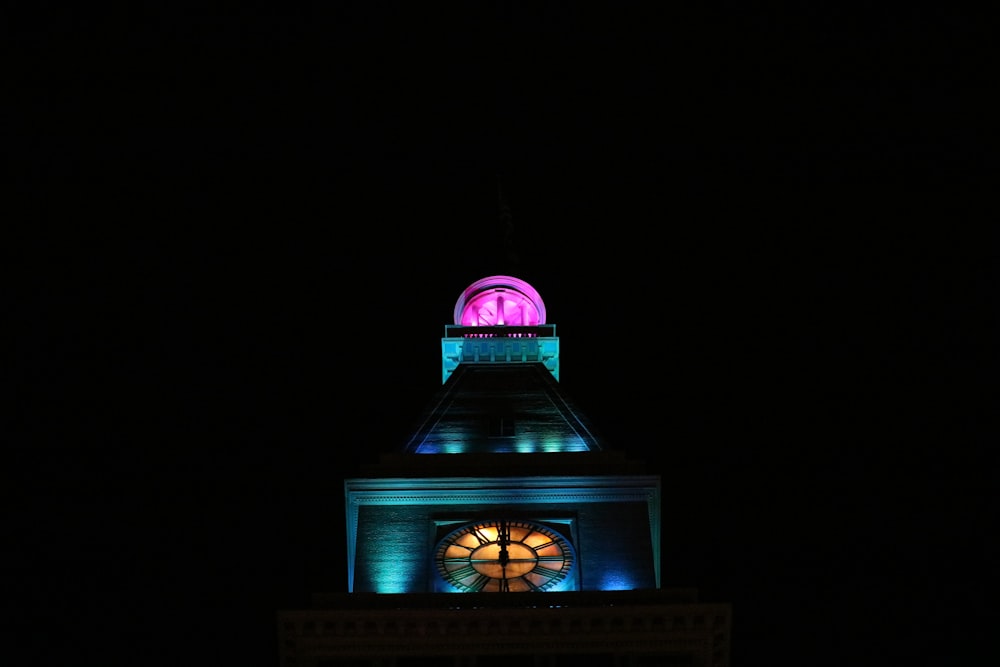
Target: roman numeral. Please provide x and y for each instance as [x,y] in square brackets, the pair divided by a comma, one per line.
[462,572]
[478,583]
[545,572]
[529,584]
[551,559]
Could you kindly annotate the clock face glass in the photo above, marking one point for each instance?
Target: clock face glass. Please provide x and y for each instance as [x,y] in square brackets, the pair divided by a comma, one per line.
[504,556]
[500,307]
[499,301]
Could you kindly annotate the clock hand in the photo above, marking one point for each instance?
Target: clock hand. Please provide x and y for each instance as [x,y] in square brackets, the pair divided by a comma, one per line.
[503,539]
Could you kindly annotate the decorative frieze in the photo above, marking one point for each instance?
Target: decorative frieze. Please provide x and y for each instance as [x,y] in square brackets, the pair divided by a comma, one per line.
[700,630]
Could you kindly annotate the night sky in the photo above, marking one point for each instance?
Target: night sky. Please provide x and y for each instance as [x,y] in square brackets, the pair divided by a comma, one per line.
[241,232]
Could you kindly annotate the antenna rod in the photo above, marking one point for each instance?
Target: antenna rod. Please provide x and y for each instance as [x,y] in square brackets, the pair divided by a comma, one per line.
[510,249]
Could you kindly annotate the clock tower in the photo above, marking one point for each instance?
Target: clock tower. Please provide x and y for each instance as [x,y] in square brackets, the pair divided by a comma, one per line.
[505,528]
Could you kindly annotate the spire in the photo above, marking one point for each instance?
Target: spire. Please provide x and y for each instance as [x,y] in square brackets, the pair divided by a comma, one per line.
[510,257]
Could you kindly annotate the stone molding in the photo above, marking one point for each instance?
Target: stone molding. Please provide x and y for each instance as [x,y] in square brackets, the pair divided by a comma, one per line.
[700,629]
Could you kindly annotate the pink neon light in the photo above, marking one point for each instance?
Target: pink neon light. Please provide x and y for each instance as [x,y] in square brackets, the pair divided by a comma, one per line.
[493,335]
[499,301]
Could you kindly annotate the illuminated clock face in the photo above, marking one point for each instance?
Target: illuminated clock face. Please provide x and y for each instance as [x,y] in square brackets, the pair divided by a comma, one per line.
[504,556]
[500,307]
[499,301]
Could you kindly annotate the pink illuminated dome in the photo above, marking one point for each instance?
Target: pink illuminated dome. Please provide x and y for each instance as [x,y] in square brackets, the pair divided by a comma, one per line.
[499,301]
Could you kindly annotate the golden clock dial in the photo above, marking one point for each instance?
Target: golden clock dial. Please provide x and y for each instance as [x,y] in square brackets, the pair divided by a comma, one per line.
[504,556]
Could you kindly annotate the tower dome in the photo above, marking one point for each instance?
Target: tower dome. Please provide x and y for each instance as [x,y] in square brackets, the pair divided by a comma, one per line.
[498,301]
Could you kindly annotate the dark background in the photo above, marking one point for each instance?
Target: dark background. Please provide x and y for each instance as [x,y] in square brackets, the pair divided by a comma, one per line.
[238,230]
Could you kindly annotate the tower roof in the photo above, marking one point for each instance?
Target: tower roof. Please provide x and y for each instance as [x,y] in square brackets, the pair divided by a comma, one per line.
[502,408]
